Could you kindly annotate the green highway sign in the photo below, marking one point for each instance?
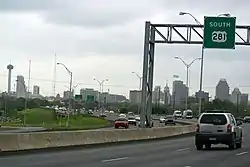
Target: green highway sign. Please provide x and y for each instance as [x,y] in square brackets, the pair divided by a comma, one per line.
[219,32]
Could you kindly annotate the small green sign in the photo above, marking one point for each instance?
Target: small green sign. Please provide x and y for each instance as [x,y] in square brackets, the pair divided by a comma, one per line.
[219,32]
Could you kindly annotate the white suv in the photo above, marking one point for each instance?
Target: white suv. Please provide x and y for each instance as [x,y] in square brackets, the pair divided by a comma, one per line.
[218,128]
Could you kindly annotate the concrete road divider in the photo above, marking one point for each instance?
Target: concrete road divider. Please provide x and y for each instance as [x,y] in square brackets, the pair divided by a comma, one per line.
[43,140]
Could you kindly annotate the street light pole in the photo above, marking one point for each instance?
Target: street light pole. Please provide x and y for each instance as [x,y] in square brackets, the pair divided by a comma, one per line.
[202,54]
[188,65]
[101,91]
[25,102]
[140,79]
[70,91]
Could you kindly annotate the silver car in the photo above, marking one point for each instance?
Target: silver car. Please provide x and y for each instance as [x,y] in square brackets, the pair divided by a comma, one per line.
[218,128]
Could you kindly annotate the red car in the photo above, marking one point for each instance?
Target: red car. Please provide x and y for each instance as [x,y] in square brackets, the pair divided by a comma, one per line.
[121,122]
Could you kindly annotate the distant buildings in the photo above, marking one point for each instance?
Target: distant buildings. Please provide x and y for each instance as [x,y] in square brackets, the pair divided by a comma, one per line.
[157,95]
[204,96]
[222,90]
[167,95]
[239,98]
[89,93]
[20,87]
[66,95]
[179,92]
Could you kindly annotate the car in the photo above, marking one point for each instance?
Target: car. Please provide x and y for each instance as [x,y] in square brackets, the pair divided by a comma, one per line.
[132,121]
[102,115]
[137,118]
[162,119]
[246,119]
[121,122]
[187,114]
[218,128]
[177,114]
[169,120]
[122,115]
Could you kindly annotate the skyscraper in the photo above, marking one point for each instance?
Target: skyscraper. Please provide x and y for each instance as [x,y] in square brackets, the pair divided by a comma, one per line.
[179,92]
[222,90]
[36,90]
[167,96]
[20,87]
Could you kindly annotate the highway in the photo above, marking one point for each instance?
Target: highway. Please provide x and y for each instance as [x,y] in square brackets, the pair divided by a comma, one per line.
[179,152]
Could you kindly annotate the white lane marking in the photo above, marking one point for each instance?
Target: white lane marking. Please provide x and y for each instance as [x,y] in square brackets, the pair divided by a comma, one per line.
[183,149]
[114,159]
[187,166]
[242,153]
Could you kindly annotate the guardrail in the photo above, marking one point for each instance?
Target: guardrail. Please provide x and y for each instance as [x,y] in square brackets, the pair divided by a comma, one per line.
[44,140]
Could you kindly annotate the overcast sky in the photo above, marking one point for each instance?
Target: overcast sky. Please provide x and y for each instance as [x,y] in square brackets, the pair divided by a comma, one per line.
[104,39]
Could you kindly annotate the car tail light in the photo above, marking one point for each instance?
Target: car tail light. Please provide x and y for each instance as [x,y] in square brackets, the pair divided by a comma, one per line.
[197,128]
[229,128]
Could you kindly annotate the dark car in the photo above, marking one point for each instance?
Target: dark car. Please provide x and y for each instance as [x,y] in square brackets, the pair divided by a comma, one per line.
[169,120]
[246,119]
[121,122]
[132,121]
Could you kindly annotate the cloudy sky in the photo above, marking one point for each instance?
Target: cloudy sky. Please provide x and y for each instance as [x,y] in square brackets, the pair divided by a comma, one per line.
[104,39]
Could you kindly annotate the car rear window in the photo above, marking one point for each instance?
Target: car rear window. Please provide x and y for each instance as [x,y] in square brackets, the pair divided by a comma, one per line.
[121,119]
[217,119]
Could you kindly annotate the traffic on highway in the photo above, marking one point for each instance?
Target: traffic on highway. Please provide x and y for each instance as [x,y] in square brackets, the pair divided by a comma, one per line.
[177,152]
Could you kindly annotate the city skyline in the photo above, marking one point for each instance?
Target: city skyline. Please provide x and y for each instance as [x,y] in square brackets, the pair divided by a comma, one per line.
[111,47]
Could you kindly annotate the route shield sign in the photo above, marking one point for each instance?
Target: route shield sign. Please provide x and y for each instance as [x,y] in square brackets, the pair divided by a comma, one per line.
[219,32]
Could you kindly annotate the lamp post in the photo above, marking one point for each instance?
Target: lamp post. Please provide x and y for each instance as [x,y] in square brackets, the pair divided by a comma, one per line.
[25,101]
[70,91]
[188,65]
[101,90]
[202,54]
[140,79]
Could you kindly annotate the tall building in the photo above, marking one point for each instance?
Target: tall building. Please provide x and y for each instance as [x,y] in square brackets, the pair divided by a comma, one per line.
[179,92]
[157,95]
[135,96]
[20,87]
[222,90]
[167,96]
[10,68]
[235,96]
[244,98]
[36,90]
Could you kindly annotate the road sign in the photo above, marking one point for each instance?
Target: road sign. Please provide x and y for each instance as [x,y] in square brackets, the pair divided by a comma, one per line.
[219,32]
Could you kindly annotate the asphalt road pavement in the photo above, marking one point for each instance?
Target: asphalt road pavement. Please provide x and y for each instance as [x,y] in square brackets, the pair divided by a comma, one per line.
[168,153]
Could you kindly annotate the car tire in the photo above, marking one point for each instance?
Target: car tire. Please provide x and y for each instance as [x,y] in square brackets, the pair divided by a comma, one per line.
[199,146]
[208,146]
[116,127]
[232,144]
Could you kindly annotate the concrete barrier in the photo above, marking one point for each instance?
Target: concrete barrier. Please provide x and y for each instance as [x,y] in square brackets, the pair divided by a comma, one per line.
[42,140]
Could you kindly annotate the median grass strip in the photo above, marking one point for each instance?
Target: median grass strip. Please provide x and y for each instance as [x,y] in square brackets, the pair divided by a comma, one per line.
[51,121]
